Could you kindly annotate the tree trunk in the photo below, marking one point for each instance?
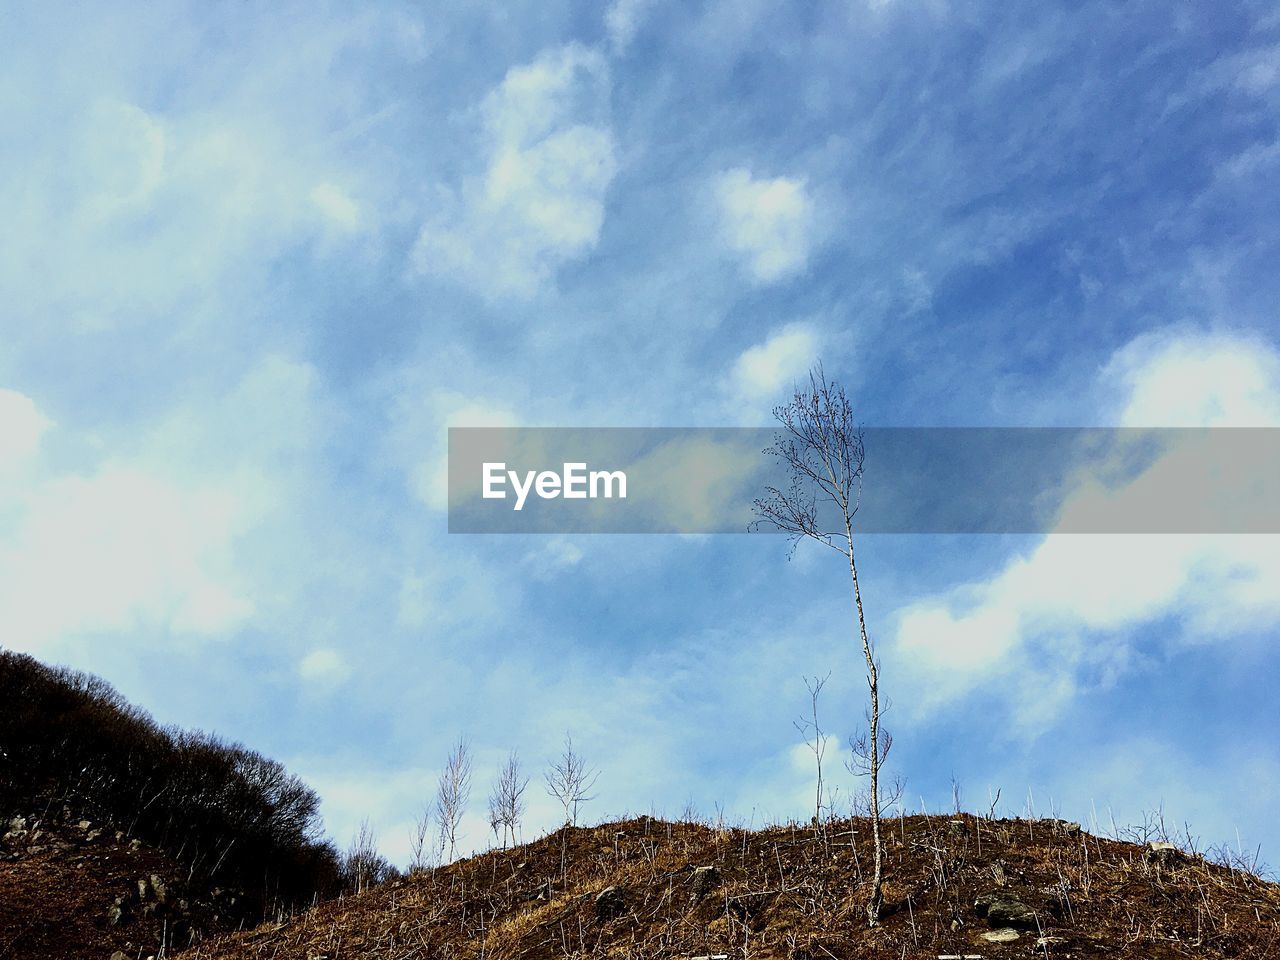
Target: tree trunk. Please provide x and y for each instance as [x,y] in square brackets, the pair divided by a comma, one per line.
[873,682]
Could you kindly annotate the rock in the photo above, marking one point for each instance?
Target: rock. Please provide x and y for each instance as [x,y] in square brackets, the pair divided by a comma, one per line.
[1005,910]
[957,828]
[703,881]
[983,903]
[1068,828]
[1045,942]
[18,825]
[118,955]
[142,889]
[158,888]
[1012,913]
[610,903]
[1003,935]
[1164,854]
[116,912]
[84,824]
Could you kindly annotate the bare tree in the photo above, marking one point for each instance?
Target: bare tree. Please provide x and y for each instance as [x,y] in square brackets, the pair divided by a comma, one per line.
[569,779]
[821,449]
[506,799]
[362,866]
[419,851]
[452,795]
[814,739]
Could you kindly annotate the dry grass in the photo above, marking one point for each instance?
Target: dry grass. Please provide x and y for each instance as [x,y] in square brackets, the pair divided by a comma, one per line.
[790,892]
[60,882]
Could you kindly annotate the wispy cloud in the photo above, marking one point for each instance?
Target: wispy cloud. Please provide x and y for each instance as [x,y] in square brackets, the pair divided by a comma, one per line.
[764,372]
[548,160]
[767,222]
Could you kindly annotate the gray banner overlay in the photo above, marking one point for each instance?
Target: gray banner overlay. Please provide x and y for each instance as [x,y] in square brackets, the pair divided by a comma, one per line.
[916,480]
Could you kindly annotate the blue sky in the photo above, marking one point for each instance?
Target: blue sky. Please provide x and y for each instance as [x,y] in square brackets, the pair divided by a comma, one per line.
[257,261]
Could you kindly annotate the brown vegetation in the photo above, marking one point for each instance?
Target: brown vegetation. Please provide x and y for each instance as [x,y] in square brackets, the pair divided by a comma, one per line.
[219,815]
[74,888]
[647,888]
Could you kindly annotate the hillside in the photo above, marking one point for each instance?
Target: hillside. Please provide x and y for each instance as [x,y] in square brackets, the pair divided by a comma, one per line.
[75,888]
[963,887]
[117,835]
[117,832]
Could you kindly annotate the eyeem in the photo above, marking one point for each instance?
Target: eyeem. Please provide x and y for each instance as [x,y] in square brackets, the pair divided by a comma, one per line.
[575,483]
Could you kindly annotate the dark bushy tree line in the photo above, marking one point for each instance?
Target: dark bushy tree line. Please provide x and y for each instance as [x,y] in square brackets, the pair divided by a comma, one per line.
[230,816]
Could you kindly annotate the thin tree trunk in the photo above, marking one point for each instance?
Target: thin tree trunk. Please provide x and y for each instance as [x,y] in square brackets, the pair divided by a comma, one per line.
[873,681]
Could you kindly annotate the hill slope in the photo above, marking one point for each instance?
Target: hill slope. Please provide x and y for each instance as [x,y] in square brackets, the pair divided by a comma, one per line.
[204,816]
[966,887]
[74,888]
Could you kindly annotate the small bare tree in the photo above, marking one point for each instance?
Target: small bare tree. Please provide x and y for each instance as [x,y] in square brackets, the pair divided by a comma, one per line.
[821,449]
[452,794]
[363,866]
[815,740]
[506,799]
[419,852]
[569,779]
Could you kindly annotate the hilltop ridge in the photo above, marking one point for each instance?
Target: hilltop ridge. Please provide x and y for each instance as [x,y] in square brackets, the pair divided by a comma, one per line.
[961,886]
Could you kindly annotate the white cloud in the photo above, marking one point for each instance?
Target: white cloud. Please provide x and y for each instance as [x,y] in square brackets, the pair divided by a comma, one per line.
[164,209]
[622,20]
[769,223]
[1197,381]
[540,203]
[1036,621]
[323,666]
[336,207]
[768,368]
[442,410]
[146,538]
[21,427]
[118,549]
[554,557]
[122,152]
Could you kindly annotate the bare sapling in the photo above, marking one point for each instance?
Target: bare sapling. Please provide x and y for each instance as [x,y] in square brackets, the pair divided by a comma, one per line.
[821,449]
[816,741]
[569,780]
[452,795]
[419,849]
[363,865]
[506,800]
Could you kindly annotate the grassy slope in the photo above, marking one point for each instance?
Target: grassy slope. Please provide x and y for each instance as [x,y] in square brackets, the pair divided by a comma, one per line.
[789,892]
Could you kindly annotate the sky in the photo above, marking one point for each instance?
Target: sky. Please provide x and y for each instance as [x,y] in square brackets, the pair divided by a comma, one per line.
[257,260]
